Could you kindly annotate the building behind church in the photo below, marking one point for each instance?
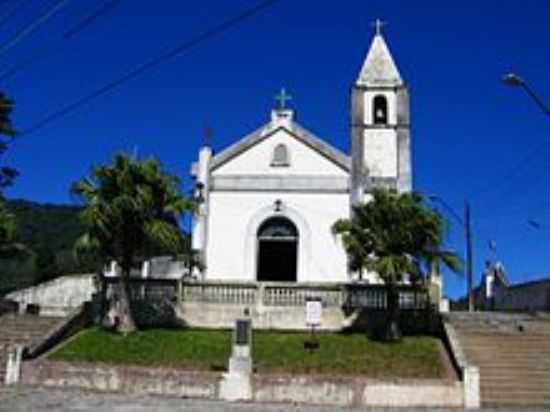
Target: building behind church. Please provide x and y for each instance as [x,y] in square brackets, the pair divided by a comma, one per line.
[267,203]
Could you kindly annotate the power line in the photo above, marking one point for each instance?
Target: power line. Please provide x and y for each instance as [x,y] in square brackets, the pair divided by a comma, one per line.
[88,20]
[187,45]
[33,26]
[106,7]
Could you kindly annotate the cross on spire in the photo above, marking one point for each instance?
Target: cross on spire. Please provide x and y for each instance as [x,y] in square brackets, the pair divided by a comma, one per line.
[283,98]
[378,24]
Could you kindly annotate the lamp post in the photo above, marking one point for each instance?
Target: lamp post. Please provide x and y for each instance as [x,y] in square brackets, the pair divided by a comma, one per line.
[514,80]
[466,225]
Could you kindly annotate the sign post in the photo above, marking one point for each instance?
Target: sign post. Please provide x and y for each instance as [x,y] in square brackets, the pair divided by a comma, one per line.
[314,316]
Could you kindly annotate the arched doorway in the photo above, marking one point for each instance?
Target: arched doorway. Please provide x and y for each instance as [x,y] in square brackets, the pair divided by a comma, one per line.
[277,250]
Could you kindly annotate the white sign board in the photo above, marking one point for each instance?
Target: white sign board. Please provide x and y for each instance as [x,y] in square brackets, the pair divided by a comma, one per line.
[314,312]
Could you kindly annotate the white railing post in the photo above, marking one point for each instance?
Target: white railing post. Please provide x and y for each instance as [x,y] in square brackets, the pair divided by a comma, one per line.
[260,296]
[13,366]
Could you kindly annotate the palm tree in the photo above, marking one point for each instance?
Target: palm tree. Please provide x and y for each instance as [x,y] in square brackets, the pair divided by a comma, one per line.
[394,235]
[131,206]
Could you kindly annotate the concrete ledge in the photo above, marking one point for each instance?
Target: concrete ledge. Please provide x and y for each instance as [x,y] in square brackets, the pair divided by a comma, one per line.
[469,373]
[138,380]
[67,327]
[325,390]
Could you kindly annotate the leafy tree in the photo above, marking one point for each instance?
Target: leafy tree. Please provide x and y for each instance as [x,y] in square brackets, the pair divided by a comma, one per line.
[131,206]
[8,229]
[7,133]
[46,263]
[394,235]
[9,247]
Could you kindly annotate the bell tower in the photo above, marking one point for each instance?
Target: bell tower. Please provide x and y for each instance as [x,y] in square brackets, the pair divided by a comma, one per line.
[380,129]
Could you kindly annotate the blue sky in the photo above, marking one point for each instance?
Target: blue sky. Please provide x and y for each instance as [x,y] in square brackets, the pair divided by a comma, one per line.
[472,137]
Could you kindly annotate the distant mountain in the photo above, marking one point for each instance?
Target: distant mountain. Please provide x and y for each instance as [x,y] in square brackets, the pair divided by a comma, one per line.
[49,231]
[57,226]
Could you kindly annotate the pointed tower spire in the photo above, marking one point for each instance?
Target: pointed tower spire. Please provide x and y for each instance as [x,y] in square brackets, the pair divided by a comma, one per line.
[379,68]
[380,133]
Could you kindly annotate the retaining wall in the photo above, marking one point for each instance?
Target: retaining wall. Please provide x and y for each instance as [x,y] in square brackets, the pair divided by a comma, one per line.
[343,391]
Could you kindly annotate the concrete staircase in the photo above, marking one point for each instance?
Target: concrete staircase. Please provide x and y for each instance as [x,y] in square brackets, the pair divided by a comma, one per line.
[512,352]
[23,330]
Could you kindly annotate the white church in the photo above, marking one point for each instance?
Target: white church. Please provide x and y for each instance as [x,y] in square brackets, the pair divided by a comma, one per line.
[267,203]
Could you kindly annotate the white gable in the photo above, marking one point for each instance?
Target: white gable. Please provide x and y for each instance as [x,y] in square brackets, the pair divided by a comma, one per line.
[258,159]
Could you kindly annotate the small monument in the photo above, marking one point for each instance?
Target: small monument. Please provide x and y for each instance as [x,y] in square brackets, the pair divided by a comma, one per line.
[236,383]
[241,361]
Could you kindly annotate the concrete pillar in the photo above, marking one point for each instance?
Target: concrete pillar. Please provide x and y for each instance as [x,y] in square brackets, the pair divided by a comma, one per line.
[200,221]
[13,366]
[146,269]
[236,384]
[472,398]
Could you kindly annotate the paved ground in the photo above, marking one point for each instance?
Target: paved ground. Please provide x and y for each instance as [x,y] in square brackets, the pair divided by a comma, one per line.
[24,399]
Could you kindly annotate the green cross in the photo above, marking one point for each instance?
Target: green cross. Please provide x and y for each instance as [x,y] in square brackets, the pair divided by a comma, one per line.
[283,97]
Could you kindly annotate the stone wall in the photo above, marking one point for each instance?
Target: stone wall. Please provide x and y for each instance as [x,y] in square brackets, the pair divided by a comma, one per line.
[135,380]
[58,297]
[529,296]
[282,306]
[341,391]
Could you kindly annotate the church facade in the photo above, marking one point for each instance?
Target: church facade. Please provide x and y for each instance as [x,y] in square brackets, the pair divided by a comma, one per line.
[267,203]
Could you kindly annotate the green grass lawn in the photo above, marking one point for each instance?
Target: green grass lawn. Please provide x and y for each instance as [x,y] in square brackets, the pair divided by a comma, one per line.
[413,357]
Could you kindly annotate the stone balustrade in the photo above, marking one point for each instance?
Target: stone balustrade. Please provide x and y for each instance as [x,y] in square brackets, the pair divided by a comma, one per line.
[273,294]
[280,294]
[298,294]
[271,305]
[238,293]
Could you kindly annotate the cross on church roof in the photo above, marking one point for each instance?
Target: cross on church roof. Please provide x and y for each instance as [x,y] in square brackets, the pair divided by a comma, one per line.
[378,24]
[282,98]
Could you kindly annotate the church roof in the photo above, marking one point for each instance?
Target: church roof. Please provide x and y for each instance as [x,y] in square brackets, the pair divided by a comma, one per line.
[379,68]
[293,129]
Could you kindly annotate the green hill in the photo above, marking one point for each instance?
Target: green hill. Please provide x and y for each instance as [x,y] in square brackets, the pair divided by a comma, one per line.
[49,231]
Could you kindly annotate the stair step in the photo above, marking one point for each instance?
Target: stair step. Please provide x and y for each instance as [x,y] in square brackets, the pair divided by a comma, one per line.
[524,375]
[514,365]
[513,386]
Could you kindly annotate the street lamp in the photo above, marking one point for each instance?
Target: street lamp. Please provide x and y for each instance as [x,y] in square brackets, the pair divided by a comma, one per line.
[466,225]
[514,80]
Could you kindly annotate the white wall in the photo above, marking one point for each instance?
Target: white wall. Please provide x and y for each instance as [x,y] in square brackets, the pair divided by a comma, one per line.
[235,218]
[58,297]
[257,160]
[381,152]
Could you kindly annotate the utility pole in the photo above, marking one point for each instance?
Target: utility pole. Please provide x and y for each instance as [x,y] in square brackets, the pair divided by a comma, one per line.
[469,257]
[466,225]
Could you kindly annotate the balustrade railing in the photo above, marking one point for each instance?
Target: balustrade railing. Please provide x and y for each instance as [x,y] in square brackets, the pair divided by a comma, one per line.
[222,293]
[145,289]
[271,294]
[365,297]
[298,295]
[293,294]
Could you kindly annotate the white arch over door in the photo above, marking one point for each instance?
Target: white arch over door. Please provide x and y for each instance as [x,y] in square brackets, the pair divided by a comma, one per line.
[251,242]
